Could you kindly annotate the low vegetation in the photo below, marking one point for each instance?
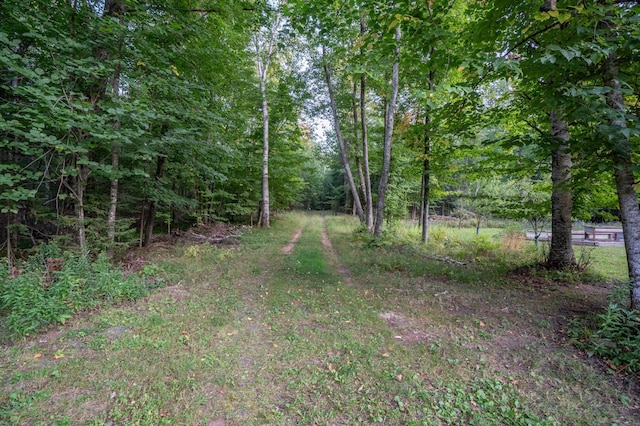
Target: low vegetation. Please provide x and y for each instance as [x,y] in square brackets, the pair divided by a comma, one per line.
[352,331]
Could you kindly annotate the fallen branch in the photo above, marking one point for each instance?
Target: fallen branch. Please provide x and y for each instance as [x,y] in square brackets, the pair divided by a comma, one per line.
[446,260]
[213,240]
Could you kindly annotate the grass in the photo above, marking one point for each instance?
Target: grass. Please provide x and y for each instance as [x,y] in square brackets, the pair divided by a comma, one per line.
[608,262]
[353,334]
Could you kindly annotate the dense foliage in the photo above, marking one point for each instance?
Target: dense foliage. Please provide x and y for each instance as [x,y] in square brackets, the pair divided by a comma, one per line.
[119,117]
[55,285]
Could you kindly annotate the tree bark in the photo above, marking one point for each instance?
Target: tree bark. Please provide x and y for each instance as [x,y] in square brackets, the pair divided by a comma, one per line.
[388,136]
[623,163]
[356,138]
[426,172]
[341,145]
[426,186]
[368,197]
[114,8]
[81,184]
[264,219]
[265,212]
[113,201]
[561,251]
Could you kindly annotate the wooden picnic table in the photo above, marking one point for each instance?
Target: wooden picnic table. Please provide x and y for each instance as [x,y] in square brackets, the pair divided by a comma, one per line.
[611,232]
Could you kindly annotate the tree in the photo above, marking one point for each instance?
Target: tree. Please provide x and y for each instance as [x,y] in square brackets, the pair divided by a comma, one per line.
[390,111]
[265,42]
[340,140]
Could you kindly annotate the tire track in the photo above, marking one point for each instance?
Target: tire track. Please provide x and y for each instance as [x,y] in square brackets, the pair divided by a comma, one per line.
[334,257]
[289,247]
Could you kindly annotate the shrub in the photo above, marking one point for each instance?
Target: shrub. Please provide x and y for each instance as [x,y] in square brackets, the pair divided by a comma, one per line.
[51,286]
[479,246]
[615,338]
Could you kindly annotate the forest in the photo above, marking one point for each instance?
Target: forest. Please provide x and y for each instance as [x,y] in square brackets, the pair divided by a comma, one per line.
[121,118]
[125,121]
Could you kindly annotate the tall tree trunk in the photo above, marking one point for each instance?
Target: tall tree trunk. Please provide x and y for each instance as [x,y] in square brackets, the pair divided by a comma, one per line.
[623,172]
[265,211]
[265,50]
[150,219]
[81,184]
[9,242]
[561,251]
[426,185]
[341,145]
[388,136]
[368,197]
[426,170]
[113,201]
[356,138]
[114,8]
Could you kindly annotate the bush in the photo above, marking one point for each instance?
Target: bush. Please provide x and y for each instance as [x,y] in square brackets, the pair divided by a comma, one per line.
[51,286]
[615,338]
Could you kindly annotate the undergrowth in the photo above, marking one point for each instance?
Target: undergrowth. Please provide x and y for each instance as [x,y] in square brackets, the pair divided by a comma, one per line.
[613,335]
[496,245]
[52,285]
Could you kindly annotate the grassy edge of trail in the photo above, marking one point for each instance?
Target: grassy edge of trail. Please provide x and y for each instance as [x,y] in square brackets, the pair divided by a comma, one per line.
[251,335]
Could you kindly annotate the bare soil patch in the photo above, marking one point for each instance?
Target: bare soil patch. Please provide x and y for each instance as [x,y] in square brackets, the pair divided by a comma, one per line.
[289,247]
[325,238]
[407,329]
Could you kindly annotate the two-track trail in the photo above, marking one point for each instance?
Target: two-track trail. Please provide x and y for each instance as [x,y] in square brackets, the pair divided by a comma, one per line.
[331,252]
[302,323]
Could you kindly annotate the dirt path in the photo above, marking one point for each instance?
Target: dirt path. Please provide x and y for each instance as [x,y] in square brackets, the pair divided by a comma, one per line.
[334,257]
[292,243]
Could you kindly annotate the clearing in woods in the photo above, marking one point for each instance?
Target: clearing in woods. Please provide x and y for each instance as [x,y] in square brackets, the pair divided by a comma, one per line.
[305,323]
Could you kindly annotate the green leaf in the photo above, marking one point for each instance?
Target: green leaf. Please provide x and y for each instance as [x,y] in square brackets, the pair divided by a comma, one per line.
[541,16]
[564,17]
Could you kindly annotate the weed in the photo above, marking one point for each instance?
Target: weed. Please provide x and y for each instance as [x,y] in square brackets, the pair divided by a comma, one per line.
[50,290]
[615,338]
[14,404]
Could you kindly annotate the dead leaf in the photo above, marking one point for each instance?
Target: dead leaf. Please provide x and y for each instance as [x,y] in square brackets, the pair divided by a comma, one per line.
[38,355]
[399,377]
[612,365]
